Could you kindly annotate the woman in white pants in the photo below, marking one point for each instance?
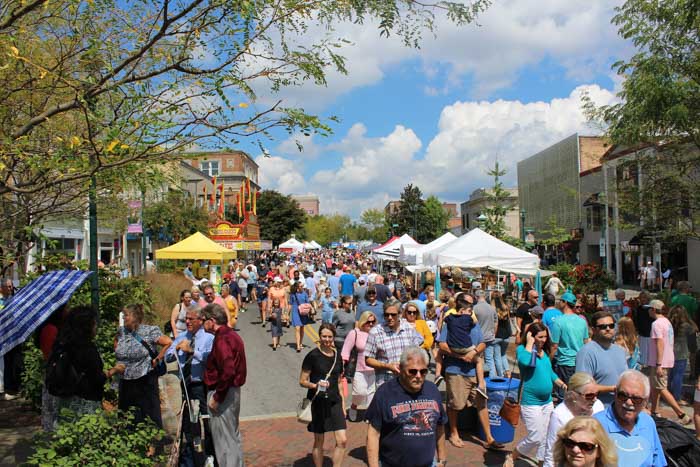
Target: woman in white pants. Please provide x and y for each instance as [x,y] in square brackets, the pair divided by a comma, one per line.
[538,381]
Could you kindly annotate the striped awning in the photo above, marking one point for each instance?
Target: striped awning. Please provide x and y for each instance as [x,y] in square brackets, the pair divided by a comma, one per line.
[34,303]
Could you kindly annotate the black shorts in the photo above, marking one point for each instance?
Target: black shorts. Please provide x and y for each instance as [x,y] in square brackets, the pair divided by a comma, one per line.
[326,416]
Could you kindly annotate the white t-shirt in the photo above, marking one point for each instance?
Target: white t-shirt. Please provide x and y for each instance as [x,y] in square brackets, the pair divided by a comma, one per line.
[560,417]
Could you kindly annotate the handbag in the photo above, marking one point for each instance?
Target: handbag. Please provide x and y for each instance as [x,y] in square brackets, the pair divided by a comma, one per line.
[510,410]
[351,364]
[304,406]
[161,367]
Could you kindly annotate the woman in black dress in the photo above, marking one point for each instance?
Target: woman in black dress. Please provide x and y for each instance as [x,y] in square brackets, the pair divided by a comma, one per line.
[320,374]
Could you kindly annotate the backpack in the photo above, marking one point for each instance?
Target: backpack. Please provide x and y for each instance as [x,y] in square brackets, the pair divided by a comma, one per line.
[62,379]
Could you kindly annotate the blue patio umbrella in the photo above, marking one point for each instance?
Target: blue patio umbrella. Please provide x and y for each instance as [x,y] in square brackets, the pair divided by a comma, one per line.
[538,287]
[34,303]
[437,281]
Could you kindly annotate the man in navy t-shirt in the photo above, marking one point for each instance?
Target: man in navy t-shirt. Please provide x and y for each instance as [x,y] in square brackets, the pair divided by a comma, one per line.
[406,418]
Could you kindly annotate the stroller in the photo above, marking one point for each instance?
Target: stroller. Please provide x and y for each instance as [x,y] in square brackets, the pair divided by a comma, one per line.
[680,446]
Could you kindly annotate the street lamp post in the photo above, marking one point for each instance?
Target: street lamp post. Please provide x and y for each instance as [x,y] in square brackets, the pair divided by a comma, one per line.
[522,223]
[481,220]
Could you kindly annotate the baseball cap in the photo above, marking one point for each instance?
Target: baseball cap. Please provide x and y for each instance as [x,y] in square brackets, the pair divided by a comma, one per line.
[536,310]
[569,297]
[476,285]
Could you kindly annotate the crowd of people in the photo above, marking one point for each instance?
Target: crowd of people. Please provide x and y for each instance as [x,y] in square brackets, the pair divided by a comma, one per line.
[590,385]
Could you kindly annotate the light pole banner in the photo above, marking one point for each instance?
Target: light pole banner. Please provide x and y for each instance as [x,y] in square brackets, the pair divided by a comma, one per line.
[134,224]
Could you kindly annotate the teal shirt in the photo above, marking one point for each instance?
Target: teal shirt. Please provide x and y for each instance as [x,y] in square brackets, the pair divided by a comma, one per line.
[569,332]
[538,382]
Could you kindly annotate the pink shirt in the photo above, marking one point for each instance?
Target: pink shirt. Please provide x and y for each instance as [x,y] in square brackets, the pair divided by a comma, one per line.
[217,299]
[358,339]
[661,329]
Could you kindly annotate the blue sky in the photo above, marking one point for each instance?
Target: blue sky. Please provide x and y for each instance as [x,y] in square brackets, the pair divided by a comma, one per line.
[440,116]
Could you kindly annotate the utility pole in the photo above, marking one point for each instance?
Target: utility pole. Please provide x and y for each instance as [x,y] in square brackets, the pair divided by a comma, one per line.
[92,217]
[143,232]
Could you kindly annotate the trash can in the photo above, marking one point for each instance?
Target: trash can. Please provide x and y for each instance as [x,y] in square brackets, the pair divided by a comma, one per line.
[497,389]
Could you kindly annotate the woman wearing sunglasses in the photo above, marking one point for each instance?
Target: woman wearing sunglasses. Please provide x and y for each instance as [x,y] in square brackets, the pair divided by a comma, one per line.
[363,386]
[413,318]
[584,443]
[581,399]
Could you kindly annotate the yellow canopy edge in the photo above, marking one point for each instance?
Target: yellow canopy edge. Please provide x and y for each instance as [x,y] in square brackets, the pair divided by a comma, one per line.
[196,246]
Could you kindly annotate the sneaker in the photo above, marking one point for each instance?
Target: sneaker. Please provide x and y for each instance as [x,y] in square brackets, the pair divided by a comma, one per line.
[439,380]
[11,397]
[685,420]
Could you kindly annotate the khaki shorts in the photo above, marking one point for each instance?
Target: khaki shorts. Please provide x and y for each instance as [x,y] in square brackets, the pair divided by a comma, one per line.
[659,382]
[461,392]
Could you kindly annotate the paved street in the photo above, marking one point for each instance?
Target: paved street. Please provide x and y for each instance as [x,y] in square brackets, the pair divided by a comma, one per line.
[272,386]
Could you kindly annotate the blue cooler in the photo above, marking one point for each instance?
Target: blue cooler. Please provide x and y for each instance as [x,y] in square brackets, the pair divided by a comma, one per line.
[497,389]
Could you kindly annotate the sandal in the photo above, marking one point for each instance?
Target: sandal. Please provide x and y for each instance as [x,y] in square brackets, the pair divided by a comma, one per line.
[685,420]
[495,446]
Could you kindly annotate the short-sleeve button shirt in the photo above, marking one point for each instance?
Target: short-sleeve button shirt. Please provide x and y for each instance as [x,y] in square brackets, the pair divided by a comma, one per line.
[386,345]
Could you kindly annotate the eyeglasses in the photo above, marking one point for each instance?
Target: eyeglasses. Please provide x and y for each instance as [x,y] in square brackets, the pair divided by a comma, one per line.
[578,306]
[347,303]
[411,312]
[605,326]
[370,321]
[591,396]
[623,397]
[415,371]
[583,446]
[391,315]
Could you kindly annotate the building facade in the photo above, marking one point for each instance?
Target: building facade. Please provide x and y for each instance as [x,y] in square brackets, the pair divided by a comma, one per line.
[478,201]
[549,183]
[309,203]
[232,168]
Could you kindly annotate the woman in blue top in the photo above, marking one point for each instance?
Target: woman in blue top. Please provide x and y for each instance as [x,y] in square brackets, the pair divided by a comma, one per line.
[297,298]
[538,379]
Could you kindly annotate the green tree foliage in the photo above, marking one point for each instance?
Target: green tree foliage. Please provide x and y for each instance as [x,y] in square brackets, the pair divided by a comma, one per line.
[659,108]
[279,216]
[175,217]
[435,219]
[498,205]
[375,223]
[410,213]
[326,229]
[89,87]
[103,438]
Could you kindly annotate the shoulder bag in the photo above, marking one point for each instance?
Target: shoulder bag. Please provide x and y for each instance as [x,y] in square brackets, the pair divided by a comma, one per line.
[351,365]
[160,368]
[510,410]
[304,407]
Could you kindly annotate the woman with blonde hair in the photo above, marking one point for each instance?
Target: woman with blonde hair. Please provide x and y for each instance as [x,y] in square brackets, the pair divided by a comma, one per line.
[627,339]
[231,305]
[584,443]
[363,386]
[503,333]
[581,399]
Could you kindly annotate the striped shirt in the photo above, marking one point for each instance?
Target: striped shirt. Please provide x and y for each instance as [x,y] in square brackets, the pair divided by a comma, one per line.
[386,345]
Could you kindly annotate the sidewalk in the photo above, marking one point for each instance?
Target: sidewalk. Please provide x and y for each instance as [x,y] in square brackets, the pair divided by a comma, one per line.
[284,442]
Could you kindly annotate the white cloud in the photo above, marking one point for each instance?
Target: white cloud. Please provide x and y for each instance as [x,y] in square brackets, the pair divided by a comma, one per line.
[290,146]
[278,173]
[510,36]
[471,136]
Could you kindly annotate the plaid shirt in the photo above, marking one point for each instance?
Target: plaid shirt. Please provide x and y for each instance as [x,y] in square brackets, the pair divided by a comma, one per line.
[386,346]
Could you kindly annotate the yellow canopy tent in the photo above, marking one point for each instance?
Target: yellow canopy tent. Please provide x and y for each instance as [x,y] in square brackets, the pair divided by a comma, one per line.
[196,246]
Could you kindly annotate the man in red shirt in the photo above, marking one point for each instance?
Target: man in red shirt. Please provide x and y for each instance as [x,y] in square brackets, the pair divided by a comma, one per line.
[224,376]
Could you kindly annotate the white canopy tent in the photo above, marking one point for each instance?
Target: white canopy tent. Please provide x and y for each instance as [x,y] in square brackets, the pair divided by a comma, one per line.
[477,249]
[316,245]
[392,250]
[292,244]
[413,254]
[311,246]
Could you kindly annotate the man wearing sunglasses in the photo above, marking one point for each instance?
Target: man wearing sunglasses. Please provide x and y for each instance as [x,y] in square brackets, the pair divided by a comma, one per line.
[631,429]
[406,417]
[601,358]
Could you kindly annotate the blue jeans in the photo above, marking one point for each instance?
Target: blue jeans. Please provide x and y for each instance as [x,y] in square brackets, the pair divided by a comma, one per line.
[675,378]
[500,356]
[327,316]
[489,362]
